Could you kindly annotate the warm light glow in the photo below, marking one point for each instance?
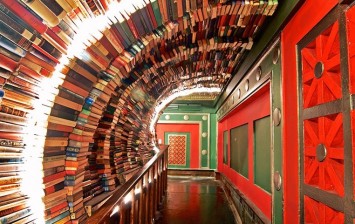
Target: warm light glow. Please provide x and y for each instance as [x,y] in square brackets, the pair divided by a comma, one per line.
[137,191]
[128,198]
[34,139]
[178,93]
[90,31]
[115,210]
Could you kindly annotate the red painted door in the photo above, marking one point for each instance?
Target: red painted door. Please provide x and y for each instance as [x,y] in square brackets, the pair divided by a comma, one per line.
[325,169]
[194,143]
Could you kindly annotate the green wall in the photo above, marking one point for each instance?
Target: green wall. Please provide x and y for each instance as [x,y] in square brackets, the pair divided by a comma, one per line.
[207,120]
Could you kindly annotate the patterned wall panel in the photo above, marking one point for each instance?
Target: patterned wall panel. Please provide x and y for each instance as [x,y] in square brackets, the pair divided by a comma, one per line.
[321,79]
[207,151]
[177,149]
[316,212]
[324,171]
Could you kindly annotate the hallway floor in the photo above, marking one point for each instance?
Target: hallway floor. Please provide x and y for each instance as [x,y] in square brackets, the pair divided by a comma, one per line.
[195,200]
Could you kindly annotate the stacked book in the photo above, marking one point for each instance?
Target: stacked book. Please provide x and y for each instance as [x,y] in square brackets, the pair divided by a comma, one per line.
[96,119]
[14,205]
[97,100]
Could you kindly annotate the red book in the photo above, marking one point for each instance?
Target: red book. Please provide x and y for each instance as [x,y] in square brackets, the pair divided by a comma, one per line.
[29,72]
[118,62]
[54,177]
[76,137]
[12,209]
[45,53]
[75,88]
[7,63]
[69,163]
[108,46]
[93,54]
[57,39]
[39,62]
[40,70]
[132,27]
[24,14]
[104,4]
[56,208]
[11,136]
[151,15]
[49,190]
[59,127]
[112,37]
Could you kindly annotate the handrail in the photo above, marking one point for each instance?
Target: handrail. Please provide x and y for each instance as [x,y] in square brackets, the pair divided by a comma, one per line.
[148,184]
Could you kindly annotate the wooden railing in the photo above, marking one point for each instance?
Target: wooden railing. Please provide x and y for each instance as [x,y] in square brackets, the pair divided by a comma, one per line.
[138,199]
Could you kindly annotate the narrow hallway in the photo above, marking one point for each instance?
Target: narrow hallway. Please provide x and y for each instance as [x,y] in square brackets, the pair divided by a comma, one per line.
[195,200]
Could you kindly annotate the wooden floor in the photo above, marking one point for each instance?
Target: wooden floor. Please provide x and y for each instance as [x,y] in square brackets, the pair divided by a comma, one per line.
[195,200]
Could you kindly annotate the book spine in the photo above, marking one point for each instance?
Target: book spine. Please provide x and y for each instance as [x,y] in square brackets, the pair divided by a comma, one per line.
[146,20]
[121,35]
[108,45]
[43,11]
[7,63]
[137,23]
[12,210]
[25,15]
[14,37]
[127,31]
[54,188]
[10,180]
[149,9]
[14,216]
[55,7]
[53,177]
[58,218]
[132,27]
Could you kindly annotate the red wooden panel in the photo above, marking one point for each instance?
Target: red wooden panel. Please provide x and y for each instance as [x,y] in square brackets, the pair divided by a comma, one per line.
[322,53]
[350,23]
[256,107]
[194,130]
[316,212]
[353,142]
[301,23]
[329,173]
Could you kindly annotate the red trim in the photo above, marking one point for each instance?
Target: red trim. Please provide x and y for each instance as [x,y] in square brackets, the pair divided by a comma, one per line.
[304,20]
[256,107]
[193,129]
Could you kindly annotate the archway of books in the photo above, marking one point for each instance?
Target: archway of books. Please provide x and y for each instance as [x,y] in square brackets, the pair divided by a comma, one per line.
[79,82]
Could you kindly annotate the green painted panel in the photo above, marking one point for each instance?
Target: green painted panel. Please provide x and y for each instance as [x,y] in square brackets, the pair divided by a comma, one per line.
[188,108]
[188,145]
[204,119]
[277,140]
[239,149]
[213,141]
[262,153]
[225,147]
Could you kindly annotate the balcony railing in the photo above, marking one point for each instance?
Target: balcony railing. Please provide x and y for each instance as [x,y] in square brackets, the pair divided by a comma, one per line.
[138,199]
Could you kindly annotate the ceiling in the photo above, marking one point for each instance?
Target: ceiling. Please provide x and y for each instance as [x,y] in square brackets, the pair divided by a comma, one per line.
[150,50]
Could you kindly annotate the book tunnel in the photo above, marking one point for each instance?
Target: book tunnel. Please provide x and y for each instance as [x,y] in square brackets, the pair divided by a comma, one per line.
[118,111]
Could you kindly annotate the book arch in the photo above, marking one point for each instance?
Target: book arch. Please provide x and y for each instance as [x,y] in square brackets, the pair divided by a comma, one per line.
[79,84]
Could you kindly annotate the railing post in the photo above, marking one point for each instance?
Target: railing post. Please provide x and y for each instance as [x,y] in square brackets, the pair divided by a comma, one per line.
[145,190]
[141,202]
[133,206]
[122,213]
